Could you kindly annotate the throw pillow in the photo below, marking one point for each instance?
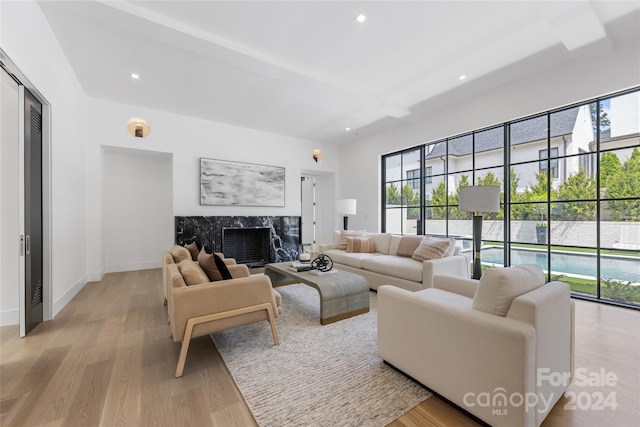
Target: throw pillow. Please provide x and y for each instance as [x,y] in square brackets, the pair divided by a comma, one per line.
[222,267]
[498,287]
[365,245]
[431,248]
[208,264]
[192,273]
[408,245]
[193,249]
[180,253]
[342,244]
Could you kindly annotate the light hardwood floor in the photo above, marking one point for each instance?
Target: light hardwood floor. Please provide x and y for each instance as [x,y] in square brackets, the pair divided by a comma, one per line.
[107,360]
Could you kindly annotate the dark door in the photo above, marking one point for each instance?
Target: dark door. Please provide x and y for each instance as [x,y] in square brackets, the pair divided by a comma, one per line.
[33,210]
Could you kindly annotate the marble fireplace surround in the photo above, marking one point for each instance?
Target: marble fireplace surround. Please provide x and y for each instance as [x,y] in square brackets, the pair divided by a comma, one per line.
[208,231]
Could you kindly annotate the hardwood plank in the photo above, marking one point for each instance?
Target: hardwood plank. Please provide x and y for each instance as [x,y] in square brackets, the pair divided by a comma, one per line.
[90,398]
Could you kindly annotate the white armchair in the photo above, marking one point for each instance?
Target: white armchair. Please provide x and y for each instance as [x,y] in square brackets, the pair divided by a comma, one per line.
[483,344]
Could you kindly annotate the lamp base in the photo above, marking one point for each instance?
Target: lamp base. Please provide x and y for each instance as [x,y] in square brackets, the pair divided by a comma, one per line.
[477,244]
[345,222]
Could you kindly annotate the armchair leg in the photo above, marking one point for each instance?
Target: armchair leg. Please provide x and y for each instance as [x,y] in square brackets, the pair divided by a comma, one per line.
[272,322]
[185,348]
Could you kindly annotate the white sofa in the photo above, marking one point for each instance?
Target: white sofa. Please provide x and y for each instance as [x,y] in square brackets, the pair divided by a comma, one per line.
[384,267]
[483,344]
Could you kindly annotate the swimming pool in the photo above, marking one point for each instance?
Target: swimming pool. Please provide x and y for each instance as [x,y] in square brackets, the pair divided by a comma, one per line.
[612,267]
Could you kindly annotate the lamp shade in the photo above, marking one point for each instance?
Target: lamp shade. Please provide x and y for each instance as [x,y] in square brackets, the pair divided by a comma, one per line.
[480,198]
[346,206]
[138,127]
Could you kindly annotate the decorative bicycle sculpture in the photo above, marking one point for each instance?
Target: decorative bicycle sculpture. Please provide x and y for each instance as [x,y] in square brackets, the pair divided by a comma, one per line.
[322,263]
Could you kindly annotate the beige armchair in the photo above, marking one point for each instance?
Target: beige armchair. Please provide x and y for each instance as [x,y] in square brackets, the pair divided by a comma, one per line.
[206,308]
[481,343]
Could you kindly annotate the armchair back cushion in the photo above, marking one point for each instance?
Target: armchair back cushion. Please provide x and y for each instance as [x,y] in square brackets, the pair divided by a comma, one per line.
[180,253]
[498,287]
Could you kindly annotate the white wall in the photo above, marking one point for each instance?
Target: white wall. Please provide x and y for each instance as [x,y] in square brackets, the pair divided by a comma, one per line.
[188,139]
[28,40]
[546,89]
[137,208]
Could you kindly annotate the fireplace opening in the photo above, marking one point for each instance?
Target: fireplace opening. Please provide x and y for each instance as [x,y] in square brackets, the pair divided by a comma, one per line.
[249,246]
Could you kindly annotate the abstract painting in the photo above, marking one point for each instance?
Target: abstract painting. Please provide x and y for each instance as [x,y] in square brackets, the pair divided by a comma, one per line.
[224,183]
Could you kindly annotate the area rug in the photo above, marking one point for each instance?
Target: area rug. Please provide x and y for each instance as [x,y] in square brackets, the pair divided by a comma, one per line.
[319,375]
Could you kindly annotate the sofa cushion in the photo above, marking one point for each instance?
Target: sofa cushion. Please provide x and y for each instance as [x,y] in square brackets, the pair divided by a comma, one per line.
[180,253]
[432,248]
[342,244]
[192,273]
[393,244]
[361,245]
[498,287]
[382,241]
[408,245]
[444,297]
[222,267]
[193,250]
[351,259]
[401,267]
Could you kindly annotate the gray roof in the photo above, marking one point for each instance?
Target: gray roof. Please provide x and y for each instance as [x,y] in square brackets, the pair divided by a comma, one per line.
[535,129]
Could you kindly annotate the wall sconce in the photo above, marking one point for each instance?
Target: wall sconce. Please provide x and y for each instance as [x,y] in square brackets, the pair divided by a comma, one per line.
[138,127]
[317,155]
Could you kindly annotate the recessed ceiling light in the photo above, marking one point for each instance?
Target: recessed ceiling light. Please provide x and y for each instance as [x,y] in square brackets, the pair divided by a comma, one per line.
[462,77]
[347,129]
[360,18]
[135,76]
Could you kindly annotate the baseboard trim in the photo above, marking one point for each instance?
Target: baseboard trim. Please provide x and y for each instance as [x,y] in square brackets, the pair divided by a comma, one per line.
[95,277]
[9,317]
[119,268]
[68,296]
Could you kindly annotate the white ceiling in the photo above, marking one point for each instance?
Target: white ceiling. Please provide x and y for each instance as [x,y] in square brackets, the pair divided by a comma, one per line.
[308,69]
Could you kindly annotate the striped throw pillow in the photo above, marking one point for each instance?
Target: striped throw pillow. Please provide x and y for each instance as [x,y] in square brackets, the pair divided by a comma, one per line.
[361,245]
[431,248]
[342,244]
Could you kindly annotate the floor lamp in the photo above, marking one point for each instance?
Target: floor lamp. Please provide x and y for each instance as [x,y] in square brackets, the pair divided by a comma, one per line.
[479,199]
[346,207]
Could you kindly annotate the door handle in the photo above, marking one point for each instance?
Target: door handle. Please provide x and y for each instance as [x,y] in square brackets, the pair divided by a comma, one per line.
[28,244]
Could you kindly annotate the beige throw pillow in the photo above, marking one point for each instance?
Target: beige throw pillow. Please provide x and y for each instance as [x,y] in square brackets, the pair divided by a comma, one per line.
[192,273]
[180,253]
[193,249]
[432,248]
[208,264]
[361,245]
[342,244]
[408,245]
[498,287]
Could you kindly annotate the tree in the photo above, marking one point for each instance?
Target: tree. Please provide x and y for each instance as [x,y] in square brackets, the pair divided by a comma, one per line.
[454,200]
[411,198]
[393,196]
[610,166]
[605,123]
[625,184]
[536,196]
[578,186]
[518,212]
[439,201]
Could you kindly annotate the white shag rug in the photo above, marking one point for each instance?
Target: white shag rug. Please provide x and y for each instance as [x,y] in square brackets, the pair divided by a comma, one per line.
[319,375]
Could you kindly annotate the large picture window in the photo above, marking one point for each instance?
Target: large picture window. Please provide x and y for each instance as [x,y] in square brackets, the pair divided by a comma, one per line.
[570,202]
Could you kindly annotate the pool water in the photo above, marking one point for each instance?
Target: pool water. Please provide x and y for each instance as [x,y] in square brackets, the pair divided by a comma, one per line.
[611,267]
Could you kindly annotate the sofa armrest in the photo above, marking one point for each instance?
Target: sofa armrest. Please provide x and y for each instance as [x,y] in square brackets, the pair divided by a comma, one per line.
[215,297]
[323,247]
[456,265]
[238,270]
[456,351]
[455,284]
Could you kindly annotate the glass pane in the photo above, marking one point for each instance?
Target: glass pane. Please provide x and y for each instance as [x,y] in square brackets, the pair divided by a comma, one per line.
[620,174]
[392,194]
[492,255]
[489,146]
[436,158]
[433,225]
[529,255]
[460,227]
[528,136]
[530,184]
[619,121]
[492,176]
[410,162]
[455,182]
[573,224]
[392,168]
[531,225]
[393,223]
[620,225]
[578,269]
[577,180]
[435,192]
[410,220]
[460,151]
[620,275]
[410,196]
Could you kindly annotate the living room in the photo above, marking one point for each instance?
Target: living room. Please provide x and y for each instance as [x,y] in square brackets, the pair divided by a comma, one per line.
[92,156]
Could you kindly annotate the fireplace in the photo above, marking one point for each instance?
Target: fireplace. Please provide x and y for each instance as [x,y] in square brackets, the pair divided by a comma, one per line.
[249,246]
